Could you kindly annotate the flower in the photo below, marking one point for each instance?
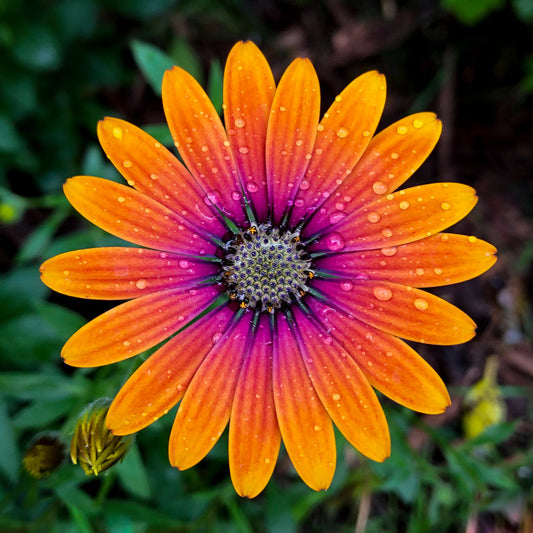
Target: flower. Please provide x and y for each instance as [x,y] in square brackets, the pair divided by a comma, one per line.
[279,262]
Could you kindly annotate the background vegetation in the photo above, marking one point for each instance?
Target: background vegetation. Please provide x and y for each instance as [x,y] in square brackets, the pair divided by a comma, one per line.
[64,64]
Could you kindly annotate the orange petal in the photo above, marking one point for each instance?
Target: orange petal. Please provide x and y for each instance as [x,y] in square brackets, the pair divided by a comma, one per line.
[305,426]
[248,92]
[153,170]
[400,218]
[344,390]
[135,326]
[390,365]
[202,142]
[121,273]
[205,409]
[291,133]
[441,259]
[343,135]
[160,382]
[133,216]
[254,436]
[400,310]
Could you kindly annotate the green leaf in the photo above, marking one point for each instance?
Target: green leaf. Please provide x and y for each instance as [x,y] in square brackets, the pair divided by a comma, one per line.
[184,56]
[153,63]
[10,140]
[215,84]
[470,12]
[9,456]
[524,10]
[160,132]
[132,474]
[37,48]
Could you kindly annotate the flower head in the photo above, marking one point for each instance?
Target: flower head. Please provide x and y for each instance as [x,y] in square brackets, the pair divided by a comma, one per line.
[282,263]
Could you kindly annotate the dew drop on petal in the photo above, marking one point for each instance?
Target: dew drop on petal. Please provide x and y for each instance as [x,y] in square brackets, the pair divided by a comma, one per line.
[239,123]
[347,286]
[244,149]
[335,242]
[472,239]
[373,217]
[379,187]
[183,263]
[402,130]
[445,205]
[154,176]
[117,133]
[121,199]
[236,195]
[304,184]
[382,293]
[394,155]
[127,163]
[336,217]
[251,186]
[389,251]
[342,133]
[141,284]
[387,232]
[417,123]
[437,271]
[317,427]
[336,397]
[421,304]
[419,271]
[404,205]
[299,202]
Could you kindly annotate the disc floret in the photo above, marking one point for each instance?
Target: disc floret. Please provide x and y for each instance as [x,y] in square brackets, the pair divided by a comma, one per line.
[265,268]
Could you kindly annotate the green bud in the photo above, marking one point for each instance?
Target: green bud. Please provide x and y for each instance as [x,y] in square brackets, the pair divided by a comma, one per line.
[93,446]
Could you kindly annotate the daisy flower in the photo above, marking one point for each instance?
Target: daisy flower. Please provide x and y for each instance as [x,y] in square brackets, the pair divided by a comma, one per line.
[279,262]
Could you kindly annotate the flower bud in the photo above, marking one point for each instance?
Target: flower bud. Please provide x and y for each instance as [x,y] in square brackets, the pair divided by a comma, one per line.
[45,454]
[93,445]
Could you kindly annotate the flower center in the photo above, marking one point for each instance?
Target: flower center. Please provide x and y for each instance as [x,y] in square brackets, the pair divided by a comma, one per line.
[265,268]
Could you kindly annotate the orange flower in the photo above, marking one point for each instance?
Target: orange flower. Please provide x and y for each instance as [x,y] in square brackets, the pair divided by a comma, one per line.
[280,261]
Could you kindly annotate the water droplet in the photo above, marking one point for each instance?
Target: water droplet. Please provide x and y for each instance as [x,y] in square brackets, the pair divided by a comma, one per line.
[437,271]
[366,133]
[299,202]
[417,123]
[379,187]
[402,130]
[244,149]
[282,108]
[117,132]
[154,176]
[204,148]
[304,184]
[251,187]
[389,251]
[338,98]
[327,340]
[317,427]
[336,397]
[335,242]
[336,217]
[211,198]
[183,263]
[216,337]
[471,239]
[361,276]
[320,127]
[141,284]
[404,205]
[373,217]
[421,304]
[347,286]
[127,163]
[126,343]
[342,133]
[382,293]
[394,155]
[121,199]
[419,271]
[445,205]
[387,232]
[339,206]
[239,123]
[299,142]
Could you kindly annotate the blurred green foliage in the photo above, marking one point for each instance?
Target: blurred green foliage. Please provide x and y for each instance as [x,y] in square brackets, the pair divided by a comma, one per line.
[63,66]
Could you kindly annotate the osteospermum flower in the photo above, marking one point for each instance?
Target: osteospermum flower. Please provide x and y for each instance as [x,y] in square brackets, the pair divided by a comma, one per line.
[279,262]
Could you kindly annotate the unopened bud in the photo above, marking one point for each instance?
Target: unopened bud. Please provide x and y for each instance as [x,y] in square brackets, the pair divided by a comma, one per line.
[93,446]
[45,454]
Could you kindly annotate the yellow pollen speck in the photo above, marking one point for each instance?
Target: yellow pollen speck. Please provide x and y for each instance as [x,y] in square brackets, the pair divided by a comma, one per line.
[402,130]
[417,123]
[117,132]
[421,304]
[342,133]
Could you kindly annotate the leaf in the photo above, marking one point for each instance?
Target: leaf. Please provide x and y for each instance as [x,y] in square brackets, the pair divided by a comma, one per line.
[9,456]
[470,12]
[132,474]
[153,62]
[215,84]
